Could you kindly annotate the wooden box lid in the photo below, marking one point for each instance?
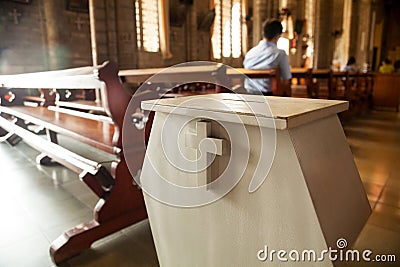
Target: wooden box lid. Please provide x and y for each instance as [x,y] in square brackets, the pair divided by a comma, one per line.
[266,111]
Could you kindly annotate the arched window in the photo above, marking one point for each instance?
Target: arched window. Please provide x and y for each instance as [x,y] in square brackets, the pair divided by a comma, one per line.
[152,27]
[147,26]
[227,32]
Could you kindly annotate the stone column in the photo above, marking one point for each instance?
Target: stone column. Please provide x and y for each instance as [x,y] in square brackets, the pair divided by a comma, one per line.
[93,33]
[259,15]
[324,37]
[363,36]
[343,43]
[126,37]
[103,21]
[297,8]
[56,34]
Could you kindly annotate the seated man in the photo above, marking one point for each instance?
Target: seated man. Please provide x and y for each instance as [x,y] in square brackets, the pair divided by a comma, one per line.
[266,55]
[386,67]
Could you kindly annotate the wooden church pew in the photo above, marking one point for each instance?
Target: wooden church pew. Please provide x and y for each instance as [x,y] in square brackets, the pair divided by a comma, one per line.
[365,84]
[120,201]
[236,76]
[386,91]
[311,83]
[302,83]
[177,80]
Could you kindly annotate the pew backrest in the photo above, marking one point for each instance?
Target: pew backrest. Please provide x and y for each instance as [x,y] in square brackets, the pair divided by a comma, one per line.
[273,74]
[103,78]
[386,90]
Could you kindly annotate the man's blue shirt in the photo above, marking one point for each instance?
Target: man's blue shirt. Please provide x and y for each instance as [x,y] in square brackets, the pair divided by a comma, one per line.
[265,55]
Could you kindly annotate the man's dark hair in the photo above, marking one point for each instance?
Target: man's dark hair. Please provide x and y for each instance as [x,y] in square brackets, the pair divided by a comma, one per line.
[387,61]
[272,28]
[352,60]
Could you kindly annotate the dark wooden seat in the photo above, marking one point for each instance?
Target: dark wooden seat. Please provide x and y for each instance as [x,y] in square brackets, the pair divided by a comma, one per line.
[79,128]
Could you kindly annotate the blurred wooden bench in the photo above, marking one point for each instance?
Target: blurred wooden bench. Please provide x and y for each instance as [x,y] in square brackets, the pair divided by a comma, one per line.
[179,80]
[386,91]
[236,77]
[302,83]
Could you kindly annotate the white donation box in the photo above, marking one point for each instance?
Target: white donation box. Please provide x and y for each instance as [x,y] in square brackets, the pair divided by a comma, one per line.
[245,180]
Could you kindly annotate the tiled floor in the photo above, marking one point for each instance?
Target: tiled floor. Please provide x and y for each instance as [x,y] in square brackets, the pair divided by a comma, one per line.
[375,142]
[38,203]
